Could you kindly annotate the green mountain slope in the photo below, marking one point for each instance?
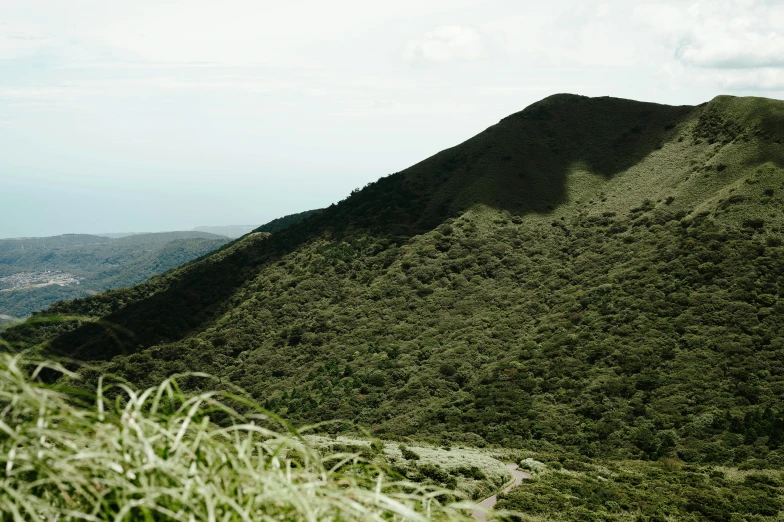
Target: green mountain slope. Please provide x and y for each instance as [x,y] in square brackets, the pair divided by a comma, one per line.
[282,223]
[276,225]
[597,274]
[6,321]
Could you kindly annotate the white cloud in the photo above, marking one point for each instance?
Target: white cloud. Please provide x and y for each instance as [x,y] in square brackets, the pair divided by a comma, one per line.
[18,40]
[746,50]
[733,45]
[734,37]
[33,93]
[447,43]
[736,34]
[768,79]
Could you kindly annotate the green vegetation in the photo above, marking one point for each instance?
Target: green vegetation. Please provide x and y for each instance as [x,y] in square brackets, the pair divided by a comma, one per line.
[590,276]
[276,225]
[6,321]
[574,488]
[473,472]
[282,223]
[157,455]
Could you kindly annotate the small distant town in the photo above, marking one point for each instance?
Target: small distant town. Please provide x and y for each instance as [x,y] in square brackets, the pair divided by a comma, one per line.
[25,280]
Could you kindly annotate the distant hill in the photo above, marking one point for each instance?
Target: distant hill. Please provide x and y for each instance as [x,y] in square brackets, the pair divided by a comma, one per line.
[37,272]
[232,231]
[593,274]
[117,235]
[276,225]
[280,224]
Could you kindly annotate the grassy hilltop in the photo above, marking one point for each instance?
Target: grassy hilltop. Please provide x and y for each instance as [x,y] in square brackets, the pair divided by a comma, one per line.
[596,275]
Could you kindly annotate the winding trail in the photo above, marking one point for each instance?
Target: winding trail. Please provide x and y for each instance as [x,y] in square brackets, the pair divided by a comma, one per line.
[488,503]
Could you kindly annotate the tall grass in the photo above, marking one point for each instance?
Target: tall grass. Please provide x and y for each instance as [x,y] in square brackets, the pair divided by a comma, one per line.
[157,454]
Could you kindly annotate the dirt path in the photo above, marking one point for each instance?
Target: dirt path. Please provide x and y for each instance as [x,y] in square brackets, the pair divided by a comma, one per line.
[488,503]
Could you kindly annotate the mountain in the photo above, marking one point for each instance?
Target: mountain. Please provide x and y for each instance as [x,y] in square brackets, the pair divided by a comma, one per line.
[280,224]
[37,272]
[276,225]
[598,275]
[232,231]
[119,235]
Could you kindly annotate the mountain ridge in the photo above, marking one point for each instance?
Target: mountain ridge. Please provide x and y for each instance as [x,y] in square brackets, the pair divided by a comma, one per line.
[564,278]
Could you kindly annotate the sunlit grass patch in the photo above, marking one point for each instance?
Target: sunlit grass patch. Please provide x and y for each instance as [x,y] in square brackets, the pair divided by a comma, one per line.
[157,454]
[472,471]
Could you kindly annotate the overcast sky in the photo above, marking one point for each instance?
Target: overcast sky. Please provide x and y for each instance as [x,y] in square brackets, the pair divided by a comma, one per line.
[149,115]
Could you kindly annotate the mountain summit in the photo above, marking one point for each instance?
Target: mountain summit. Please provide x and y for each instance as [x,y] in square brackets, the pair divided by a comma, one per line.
[594,273]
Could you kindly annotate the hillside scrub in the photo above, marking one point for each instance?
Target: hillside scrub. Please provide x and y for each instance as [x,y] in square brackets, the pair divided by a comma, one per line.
[156,454]
[471,471]
[593,275]
[575,488]
[666,344]
[282,223]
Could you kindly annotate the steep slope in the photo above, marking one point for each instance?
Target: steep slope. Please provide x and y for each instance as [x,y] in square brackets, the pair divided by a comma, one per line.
[282,223]
[231,231]
[520,164]
[593,273]
[276,225]
[6,321]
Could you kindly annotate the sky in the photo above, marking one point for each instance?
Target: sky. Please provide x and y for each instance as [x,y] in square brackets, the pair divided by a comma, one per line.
[153,115]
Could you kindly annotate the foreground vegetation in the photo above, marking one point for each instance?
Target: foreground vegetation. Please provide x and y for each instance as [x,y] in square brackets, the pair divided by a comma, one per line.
[568,487]
[473,472]
[158,455]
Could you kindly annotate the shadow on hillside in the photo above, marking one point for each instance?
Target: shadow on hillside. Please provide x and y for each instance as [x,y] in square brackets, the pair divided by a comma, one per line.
[520,165]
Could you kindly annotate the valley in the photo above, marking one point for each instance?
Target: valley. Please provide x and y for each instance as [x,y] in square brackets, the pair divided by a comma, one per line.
[27,280]
[37,272]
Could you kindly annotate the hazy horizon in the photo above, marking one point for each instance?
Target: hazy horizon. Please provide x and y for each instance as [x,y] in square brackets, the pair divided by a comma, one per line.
[123,233]
[169,115]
